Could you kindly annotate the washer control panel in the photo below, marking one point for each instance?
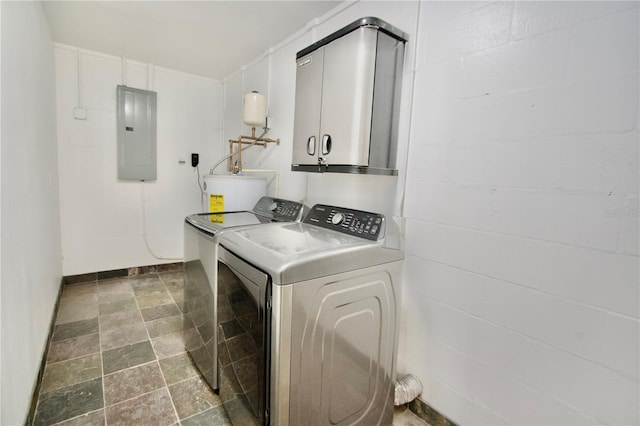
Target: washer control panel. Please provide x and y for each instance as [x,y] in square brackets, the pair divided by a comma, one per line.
[277,208]
[348,221]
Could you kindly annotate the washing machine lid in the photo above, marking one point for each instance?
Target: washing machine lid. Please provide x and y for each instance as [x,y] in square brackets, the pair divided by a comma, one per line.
[266,210]
[212,223]
[294,252]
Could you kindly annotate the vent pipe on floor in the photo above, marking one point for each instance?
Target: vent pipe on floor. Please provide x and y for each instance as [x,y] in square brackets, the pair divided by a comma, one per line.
[408,388]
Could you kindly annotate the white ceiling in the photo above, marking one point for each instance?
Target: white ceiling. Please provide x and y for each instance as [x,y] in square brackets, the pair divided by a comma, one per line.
[209,38]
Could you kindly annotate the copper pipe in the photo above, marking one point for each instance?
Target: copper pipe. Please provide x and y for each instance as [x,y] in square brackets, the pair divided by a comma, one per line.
[239,153]
[256,143]
[249,140]
[258,139]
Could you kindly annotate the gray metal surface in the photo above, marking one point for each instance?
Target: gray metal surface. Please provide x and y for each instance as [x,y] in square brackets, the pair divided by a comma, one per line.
[266,210]
[333,328]
[137,152]
[386,105]
[295,252]
[200,270]
[216,222]
[306,126]
[202,275]
[243,315]
[343,340]
[347,96]
[347,101]
[368,21]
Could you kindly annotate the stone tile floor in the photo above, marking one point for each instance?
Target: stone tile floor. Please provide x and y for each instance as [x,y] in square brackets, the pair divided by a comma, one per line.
[117,357]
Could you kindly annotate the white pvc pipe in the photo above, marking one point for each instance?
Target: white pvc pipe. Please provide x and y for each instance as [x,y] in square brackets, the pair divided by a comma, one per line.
[276,172]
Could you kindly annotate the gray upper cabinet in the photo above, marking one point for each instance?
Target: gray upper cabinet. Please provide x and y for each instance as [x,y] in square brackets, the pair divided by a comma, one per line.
[347,100]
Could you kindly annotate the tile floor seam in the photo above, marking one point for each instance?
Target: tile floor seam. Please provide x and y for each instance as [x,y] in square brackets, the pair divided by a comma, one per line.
[132,367]
[199,375]
[104,398]
[126,344]
[64,387]
[197,414]
[71,338]
[130,399]
[142,394]
[72,383]
[71,359]
[78,416]
[162,372]
[157,359]
[160,319]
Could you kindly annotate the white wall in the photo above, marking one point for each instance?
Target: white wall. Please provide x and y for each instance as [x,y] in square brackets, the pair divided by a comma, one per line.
[31,260]
[521,290]
[102,218]
[275,85]
[274,75]
[521,294]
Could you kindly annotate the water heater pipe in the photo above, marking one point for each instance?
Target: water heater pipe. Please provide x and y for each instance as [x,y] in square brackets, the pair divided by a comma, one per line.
[223,159]
[276,172]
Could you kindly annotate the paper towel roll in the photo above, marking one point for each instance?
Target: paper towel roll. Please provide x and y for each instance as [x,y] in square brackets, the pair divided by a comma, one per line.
[254,111]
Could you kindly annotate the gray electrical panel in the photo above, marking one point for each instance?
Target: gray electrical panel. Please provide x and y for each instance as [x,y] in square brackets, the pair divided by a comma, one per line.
[137,151]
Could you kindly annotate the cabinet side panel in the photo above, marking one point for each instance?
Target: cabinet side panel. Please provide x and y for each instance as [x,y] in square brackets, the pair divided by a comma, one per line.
[386,102]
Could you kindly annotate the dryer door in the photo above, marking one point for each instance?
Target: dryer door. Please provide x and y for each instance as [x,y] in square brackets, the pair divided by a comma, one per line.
[244,315]
[343,337]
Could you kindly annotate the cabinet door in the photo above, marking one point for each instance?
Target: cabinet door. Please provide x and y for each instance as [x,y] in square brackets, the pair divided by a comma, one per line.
[347,98]
[307,114]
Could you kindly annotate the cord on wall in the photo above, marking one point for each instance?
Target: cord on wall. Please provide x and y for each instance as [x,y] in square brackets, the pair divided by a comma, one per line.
[124,71]
[79,79]
[79,112]
[144,228]
[200,186]
[151,76]
[405,172]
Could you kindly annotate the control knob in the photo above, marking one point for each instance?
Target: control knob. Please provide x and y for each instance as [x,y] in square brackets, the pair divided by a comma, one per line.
[337,218]
[273,207]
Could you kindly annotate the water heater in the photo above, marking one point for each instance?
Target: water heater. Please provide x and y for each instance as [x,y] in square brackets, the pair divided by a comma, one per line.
[229,193]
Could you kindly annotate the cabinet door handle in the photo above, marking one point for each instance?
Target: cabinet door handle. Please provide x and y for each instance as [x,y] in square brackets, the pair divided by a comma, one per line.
[326,144]
[311,145]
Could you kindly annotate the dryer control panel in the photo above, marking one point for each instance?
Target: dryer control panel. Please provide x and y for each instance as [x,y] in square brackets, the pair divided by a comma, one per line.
[348,221]
[279,209]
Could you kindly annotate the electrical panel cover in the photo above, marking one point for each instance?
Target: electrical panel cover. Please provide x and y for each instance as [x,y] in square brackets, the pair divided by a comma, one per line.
[137,145]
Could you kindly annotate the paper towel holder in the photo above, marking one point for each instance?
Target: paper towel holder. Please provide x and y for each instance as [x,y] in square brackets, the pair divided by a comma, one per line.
[253,114]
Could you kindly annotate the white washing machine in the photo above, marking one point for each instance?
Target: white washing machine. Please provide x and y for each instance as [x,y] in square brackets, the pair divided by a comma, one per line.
[308,320]
[201,272]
